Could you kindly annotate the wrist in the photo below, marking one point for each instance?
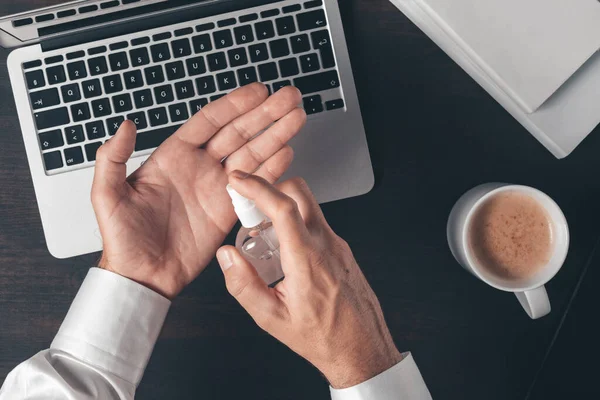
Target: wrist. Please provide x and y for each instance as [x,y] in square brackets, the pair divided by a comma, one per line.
[164,286]
[347,372]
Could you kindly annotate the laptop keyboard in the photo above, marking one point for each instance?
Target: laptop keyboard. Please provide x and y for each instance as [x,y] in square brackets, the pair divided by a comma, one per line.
[80,98]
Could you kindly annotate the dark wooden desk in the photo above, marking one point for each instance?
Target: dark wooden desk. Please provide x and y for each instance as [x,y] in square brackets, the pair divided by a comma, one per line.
[433,134]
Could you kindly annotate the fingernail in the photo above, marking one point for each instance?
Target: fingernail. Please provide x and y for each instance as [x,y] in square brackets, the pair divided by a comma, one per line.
[225,259]
[240,174]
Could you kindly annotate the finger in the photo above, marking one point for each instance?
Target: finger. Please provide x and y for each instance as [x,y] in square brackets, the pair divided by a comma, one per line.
[241,130]
[257,151]
[111,170]
[244,284]
[211,118]
[281,209]
[311,212]
[274,168]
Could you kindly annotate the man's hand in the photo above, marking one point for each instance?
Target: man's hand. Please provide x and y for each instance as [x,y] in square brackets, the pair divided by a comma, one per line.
[324,309]
[163,224]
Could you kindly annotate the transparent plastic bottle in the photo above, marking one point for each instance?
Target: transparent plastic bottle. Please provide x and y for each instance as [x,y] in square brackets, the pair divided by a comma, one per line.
[256,240]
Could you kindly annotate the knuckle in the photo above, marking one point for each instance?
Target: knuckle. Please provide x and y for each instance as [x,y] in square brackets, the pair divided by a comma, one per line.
[286,206]
[236,286]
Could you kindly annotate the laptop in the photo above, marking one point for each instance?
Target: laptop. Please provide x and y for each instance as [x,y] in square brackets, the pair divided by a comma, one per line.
[538,58]
[82,67]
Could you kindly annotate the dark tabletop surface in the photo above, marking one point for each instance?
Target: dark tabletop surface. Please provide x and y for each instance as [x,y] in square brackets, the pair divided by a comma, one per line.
[433,134]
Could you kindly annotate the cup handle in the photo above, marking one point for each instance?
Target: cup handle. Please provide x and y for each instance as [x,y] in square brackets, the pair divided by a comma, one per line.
[535,302]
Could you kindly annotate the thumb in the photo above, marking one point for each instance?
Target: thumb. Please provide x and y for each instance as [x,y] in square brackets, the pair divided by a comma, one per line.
[243,283]
[111,169]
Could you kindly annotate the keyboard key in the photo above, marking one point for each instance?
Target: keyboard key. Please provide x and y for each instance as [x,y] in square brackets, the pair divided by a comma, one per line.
[51,140]
[73,156]
[206,85]
[216,61]
[202,43]
[281,84]
[292,8]
[313,104]
[317,82]
[112,84]
[223,39]
[97,50]
[279,48]
[56,75]
[264,30]
[97,66]
[300,43]
[77,70]
[259,52]
[101,108]
[217,97]
[32,64]
[139,119]
[53,160]
[268,72]
[288,67]
[184,90]
[285,25]
[152,139]
[143,98]
[154,75]
[45,98]
[91,149]
[248,17]
[196,105]
[226,81]
[118,61]
[178,112]
[226,22]
[133,79]
[70,93]
[237,57]
[309,63]
[322,42]
[52,118]
[314,3]
[80,112]
[184,32]
[35,79]
[122,103]
[53,60]
[334,104]
[160,52]
[158,116]
[269,13]
[95,130]
[181,48]
[162,36]
[311,20]
[205,27]
[163,94]
[139,41]
[113,125]
[91,88]
[247,76]
[195,66]
[139,57]
[175,70]
[74,134]
[243,34]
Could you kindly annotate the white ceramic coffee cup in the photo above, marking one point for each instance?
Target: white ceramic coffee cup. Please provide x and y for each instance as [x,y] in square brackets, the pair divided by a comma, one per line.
[530,292]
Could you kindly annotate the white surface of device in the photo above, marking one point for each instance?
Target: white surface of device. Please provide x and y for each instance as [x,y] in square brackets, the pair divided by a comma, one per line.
[331,153]
[538,59]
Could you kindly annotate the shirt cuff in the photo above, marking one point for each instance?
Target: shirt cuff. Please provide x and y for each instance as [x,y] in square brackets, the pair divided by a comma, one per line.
[113,324]
[402,381]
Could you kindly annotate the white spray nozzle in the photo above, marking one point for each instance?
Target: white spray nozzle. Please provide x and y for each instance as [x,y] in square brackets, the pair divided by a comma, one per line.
[246,210]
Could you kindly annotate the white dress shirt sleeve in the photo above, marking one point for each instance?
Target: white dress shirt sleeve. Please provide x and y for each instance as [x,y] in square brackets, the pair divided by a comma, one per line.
[401,382]
[102,347]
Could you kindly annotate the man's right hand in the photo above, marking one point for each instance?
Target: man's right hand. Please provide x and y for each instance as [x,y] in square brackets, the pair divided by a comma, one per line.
[324,309]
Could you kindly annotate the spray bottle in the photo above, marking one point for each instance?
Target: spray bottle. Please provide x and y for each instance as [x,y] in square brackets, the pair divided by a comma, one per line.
[256,240]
